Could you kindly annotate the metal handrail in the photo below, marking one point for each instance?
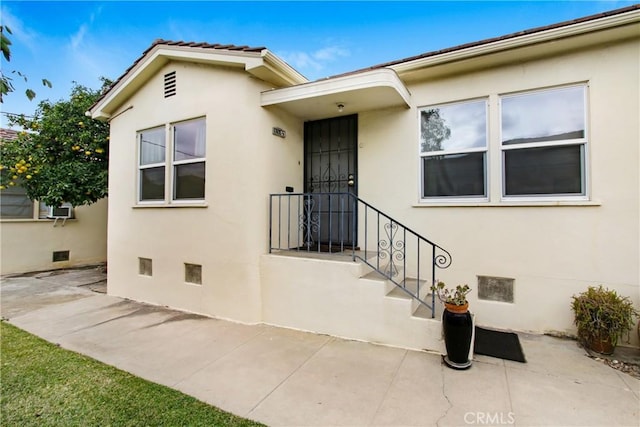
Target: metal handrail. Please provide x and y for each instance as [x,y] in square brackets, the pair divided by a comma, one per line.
[335,222]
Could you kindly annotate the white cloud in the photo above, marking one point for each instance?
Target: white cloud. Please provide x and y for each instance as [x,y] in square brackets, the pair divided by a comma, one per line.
[315,61]
[331,53]
[78,37]
[19,32]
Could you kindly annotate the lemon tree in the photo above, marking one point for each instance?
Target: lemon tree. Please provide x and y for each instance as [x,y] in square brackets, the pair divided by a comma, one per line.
[61,155]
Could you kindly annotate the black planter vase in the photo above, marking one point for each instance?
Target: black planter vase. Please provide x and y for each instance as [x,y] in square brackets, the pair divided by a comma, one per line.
[457,325]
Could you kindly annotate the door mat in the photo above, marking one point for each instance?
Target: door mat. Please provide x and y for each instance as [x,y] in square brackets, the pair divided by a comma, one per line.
[503,345]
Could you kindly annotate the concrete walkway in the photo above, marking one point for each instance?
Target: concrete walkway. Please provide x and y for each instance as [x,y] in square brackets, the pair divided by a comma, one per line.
[289,378]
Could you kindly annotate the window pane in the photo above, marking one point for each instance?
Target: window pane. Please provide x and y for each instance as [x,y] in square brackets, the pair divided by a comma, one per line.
[453,175]
[152,183]
[189,181]
[189,140]
[43,210]
[546,170]
[14,204]
[549,115]
[454,127]
[152,146]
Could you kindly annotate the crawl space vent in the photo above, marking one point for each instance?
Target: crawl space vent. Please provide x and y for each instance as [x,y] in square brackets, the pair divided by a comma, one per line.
[169,84]
[60,256]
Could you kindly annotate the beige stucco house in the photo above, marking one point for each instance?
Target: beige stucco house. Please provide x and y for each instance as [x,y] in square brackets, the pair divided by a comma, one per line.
[238,189]
[31,240]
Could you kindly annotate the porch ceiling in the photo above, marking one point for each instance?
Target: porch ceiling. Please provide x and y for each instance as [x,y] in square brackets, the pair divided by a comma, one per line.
[365,91]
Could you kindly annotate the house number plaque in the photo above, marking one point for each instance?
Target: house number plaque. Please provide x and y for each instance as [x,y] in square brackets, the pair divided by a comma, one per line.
[279,132]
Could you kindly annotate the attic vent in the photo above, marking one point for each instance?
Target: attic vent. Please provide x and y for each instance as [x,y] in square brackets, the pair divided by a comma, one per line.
[169,84]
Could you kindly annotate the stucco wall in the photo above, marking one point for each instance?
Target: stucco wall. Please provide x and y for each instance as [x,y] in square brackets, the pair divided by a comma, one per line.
[245,163]
[28,245]
[551,251]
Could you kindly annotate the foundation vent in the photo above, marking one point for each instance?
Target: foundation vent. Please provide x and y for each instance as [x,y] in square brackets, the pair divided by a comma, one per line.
[60,256]
[145,267]
[193,274]
[495,289]
[169,84]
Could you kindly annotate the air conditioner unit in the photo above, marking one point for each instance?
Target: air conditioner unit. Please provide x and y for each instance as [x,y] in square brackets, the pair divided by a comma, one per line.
[64,211]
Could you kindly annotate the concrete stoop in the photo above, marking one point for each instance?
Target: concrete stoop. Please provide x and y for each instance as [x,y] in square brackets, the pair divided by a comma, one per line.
[343,298]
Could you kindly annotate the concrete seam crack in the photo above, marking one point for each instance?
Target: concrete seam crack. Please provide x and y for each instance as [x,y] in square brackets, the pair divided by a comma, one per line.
[386,393]
[331,339]
[444,393]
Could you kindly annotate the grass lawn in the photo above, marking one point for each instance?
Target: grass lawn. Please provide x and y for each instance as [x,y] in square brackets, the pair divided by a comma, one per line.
[42,384]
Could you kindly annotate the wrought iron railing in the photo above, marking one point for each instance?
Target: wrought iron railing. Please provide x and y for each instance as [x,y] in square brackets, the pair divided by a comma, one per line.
[344,223]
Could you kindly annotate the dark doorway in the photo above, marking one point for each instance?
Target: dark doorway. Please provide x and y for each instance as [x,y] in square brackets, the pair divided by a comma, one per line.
[331,167]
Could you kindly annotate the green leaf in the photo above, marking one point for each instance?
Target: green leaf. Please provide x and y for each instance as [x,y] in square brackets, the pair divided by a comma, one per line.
[30,94]
[47,83]
[5,42]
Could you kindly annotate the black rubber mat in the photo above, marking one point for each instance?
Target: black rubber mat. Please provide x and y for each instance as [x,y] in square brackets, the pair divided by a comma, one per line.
[503,345]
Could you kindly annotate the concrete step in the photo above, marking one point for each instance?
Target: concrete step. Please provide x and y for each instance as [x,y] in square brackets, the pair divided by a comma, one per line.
[330,297]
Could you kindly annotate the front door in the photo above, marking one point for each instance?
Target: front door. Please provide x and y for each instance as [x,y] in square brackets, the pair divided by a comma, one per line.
[331,167]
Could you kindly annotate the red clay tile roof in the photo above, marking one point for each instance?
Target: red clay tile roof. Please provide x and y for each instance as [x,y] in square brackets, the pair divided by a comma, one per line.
[8,134]
[203,45]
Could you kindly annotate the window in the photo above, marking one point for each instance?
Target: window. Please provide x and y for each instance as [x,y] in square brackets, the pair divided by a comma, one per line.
[187,152]
[453,150]
[14,204]
[543,141]
[188,160]
[152,164]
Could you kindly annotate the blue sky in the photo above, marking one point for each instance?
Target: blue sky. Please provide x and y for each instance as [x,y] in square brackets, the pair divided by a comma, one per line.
[80,41]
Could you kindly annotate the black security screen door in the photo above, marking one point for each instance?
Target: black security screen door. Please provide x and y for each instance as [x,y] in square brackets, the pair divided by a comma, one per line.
[330,167]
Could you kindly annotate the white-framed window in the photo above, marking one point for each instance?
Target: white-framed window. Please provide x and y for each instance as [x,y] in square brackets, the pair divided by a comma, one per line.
[14,204]
[453,150]
[171,162]
[189,152]
[543,137]
[152,164]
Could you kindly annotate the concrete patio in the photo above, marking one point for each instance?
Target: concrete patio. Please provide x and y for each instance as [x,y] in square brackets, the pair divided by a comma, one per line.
[284,377]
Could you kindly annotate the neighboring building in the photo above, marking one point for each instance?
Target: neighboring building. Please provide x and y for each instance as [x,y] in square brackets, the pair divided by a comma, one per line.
[30,241]
[518,155]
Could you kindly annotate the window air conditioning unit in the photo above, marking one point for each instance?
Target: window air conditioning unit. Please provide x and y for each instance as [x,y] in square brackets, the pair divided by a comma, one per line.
[64,211]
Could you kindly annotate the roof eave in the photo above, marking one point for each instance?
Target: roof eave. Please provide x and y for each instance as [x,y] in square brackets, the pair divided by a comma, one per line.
[262,64]
[517,41]
[375,89]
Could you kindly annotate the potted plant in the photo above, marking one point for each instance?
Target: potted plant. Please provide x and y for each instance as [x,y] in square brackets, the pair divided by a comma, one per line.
[457,324]
[602,317]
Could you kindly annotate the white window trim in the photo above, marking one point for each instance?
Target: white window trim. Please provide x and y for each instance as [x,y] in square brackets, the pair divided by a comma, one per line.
[140,167]
[583,142]
[175,163]
[169,173]
[495,177]
[38,214]
[421,155]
